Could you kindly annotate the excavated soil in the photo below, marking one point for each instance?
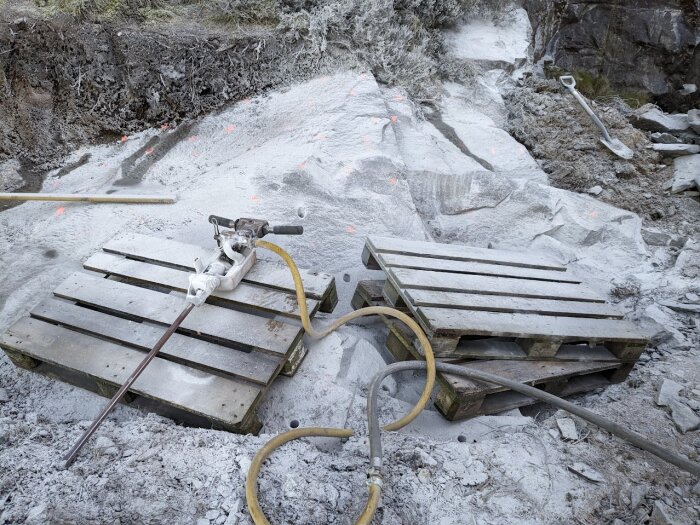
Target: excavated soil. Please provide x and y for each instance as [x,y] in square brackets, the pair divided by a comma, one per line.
[563,139]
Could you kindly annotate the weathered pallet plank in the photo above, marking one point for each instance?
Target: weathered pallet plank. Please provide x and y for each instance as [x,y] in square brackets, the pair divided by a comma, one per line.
[247,295]
[497,324]
[500,303]
[227,401]
[404,278]
[275,275]
[252,366]
[220,324]
[462,253]
[526,372]
[494,348]
[460,398]
[395,260]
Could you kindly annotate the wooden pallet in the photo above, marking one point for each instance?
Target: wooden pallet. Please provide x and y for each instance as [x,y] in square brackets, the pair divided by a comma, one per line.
[459,293]
[215,369]
[460,398]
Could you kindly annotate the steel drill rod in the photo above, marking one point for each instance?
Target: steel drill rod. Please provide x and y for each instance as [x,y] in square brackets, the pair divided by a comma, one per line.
[73,452]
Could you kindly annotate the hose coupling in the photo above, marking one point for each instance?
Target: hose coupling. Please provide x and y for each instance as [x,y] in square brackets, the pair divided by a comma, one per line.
[374,477]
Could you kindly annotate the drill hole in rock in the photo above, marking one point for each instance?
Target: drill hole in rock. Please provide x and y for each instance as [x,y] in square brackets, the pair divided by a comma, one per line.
[301,212]
[294,423]
[462,439]
[346,277]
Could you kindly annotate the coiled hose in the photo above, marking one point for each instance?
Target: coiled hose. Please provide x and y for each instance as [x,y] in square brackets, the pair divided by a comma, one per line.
[374,480]
[374,475]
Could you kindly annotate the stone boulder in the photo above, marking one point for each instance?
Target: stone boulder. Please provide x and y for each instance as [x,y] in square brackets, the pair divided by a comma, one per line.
[694,120]
[686,173]
[651,118]
[676,150]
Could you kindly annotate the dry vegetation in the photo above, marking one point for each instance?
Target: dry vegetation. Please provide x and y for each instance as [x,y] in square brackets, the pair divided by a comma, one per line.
[400,40]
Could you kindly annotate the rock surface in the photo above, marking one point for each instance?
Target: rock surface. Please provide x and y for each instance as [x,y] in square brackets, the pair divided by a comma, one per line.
[664,138]
[668,391]
[676,150]
[605,37]
[651,118]
[686,171]
[505,45]
[694,120]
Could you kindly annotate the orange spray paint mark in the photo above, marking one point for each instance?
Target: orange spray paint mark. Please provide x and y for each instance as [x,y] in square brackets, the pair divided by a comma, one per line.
[124,138]
[394,119]
[164,127]
[393,181]
[398,98]
[245,101]
[255,198]
[350,229]
[352,93]
[230,128]
[149,151]
[193,138]
[60,211]
[301,165]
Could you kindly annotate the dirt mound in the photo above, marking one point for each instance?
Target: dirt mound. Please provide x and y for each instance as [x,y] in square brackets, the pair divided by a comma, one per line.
[559,134]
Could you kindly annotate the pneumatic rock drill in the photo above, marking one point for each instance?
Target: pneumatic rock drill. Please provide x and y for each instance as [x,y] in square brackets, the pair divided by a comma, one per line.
[228,264]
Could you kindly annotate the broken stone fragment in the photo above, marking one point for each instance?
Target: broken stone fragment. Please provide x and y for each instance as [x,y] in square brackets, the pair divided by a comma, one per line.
[686,171]
[681,307]
[655,238]
[668,391]
[567,427]
[595,190]
[660,515]
[650,118]
[587,472]
[683,416]
[676,150]
[637,495]
[664,138]
[694,120]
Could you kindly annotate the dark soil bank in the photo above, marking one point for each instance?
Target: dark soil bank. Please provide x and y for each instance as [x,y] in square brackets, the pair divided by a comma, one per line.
[64,83]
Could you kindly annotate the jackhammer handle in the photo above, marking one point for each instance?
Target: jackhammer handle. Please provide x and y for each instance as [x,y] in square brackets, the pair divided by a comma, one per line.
[222,221]
[287,230]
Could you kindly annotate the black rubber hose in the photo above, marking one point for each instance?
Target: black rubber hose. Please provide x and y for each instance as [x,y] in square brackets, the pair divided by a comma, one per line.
[630,436]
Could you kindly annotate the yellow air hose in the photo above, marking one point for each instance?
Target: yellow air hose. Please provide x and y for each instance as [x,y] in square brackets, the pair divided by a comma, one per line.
[375,483]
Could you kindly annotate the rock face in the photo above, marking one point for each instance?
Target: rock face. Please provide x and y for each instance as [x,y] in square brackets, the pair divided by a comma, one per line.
[605,37]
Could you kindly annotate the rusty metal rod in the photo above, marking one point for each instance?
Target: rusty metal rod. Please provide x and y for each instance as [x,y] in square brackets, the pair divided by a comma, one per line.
[73,452]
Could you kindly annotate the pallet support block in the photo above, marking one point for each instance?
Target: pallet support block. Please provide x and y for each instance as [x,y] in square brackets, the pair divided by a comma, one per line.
[540,347]
[294,360]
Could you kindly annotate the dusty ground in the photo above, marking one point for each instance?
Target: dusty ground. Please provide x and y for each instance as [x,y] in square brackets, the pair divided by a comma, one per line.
[346,158]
